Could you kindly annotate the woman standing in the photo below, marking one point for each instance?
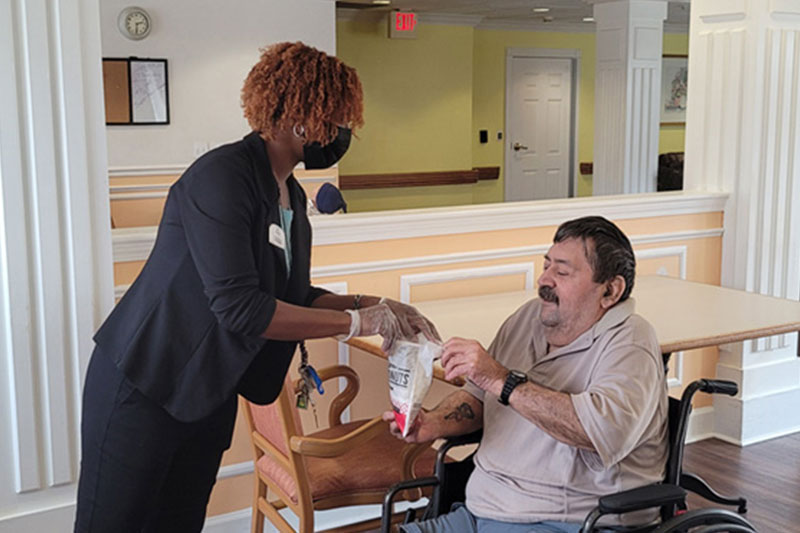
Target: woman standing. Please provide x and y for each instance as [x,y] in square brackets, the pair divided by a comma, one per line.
[220,304]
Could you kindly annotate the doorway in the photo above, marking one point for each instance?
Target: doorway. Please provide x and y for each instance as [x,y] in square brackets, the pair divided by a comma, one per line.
[541,111]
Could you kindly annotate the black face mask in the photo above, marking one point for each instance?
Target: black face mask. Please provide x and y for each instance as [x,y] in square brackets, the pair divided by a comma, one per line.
[317,156]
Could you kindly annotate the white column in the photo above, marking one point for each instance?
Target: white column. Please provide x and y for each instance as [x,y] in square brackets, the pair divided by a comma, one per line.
[627,89]
[743,137]
[55,249]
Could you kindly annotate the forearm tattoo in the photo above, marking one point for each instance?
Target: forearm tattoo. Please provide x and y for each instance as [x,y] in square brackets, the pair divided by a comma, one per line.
[462,412]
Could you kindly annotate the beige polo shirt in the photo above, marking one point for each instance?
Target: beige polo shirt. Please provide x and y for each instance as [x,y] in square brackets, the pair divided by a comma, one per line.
[615,377]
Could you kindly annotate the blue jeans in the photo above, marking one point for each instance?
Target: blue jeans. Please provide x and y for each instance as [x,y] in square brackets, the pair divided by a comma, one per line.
[460,520]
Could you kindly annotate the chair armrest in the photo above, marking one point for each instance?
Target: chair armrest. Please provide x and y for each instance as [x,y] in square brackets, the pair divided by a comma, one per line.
[317,447]
[341,400]
[639,498]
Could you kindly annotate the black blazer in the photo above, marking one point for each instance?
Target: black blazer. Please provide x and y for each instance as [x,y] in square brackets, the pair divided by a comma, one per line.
[187,332]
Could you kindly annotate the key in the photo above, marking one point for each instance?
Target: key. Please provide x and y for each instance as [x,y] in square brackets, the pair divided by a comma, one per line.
[316,382]
[303,396]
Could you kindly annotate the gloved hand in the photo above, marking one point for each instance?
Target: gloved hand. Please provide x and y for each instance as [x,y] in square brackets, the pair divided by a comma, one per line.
[377,320]
[412,320]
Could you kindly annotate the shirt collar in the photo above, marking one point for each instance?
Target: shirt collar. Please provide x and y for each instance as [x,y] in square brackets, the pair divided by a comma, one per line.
[612,318]
[261,166]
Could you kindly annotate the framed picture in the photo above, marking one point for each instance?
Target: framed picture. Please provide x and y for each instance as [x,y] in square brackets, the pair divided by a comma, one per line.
[674,70]
[136,91]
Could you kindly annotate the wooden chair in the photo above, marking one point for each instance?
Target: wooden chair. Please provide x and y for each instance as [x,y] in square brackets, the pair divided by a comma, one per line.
[347,464]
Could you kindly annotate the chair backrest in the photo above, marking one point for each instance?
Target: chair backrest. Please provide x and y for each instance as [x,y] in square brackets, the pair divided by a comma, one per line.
[270,424]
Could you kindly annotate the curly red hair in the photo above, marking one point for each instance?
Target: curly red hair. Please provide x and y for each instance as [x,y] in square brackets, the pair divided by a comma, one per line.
[295,84]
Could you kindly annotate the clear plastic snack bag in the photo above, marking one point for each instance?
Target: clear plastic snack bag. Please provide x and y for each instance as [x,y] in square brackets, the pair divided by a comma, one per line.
[410,375]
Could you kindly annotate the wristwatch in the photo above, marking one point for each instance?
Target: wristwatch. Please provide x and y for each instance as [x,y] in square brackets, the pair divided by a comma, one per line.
[514,378]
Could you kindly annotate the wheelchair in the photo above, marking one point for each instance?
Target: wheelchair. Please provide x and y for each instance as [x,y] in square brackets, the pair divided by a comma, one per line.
[449,481]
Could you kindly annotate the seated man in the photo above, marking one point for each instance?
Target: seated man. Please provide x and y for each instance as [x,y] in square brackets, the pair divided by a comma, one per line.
[571,395]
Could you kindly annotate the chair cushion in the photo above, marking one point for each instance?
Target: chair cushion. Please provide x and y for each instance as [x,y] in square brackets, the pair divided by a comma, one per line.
[375,465]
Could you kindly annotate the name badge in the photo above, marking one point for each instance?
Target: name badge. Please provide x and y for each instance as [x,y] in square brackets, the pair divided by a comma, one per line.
[277,237]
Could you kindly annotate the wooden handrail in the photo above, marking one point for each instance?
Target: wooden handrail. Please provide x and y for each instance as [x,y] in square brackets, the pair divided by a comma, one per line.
[417,179]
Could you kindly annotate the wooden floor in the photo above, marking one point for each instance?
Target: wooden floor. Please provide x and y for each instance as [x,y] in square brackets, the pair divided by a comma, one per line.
[767,474]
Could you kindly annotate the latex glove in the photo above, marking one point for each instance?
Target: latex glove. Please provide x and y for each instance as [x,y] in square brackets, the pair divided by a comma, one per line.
[412,320]
[376,320]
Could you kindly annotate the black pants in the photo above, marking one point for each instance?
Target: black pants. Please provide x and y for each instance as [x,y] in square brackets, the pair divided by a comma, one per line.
[142,470]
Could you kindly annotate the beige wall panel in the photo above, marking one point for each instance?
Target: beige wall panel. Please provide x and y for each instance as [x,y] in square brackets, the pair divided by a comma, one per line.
[373,398]
[467,287]
[137,213]
[125,273]
[669,224]
[231,494]
[666,266]
[444,244]
[155,179]
[422,246]
[704,260]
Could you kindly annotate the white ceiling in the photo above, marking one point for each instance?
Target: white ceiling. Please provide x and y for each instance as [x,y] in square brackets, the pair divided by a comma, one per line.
[563,12]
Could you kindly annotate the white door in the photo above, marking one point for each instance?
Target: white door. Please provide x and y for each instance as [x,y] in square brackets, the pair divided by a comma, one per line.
[539,129]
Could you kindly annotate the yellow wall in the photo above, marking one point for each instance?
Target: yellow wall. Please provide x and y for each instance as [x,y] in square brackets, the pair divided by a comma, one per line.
[489,89]
[672,138]
[426,99]
[417,109]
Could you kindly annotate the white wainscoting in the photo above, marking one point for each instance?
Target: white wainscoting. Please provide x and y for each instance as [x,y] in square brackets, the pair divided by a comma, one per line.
[680,253]
[408,281]
[361,227]
[135,244]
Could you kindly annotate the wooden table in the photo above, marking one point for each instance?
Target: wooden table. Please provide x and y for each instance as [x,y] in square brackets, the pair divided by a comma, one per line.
[685,315]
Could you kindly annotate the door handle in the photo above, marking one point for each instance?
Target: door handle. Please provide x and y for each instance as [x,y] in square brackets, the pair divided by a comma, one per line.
[517,147]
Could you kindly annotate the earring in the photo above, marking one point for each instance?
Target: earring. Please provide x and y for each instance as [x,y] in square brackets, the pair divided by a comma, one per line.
[301,132]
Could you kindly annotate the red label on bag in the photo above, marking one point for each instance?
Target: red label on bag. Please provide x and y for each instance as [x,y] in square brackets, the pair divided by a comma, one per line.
[400,418]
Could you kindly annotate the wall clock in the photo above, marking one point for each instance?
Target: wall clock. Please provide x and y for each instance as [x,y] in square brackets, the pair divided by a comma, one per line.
[134,23]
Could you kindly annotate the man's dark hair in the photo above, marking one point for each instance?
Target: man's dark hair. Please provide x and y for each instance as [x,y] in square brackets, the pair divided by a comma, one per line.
[610,253]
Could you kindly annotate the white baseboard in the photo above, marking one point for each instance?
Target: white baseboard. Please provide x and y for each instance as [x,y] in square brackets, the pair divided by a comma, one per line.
[59,518]
[239,521]
[701,424]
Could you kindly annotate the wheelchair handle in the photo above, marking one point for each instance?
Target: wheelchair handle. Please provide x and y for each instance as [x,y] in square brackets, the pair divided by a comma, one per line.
[719,386]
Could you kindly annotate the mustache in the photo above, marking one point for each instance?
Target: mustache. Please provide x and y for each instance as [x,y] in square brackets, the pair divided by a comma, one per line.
[548,294]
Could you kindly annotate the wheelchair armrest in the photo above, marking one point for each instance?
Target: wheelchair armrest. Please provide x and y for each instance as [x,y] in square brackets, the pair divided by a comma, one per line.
[461,440]
[655,495]
[388,500]
[453,442]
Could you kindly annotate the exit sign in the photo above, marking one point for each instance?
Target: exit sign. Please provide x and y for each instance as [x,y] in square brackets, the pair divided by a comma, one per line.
[403,25]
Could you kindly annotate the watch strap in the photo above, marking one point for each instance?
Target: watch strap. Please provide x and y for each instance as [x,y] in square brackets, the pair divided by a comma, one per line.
[513,379]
